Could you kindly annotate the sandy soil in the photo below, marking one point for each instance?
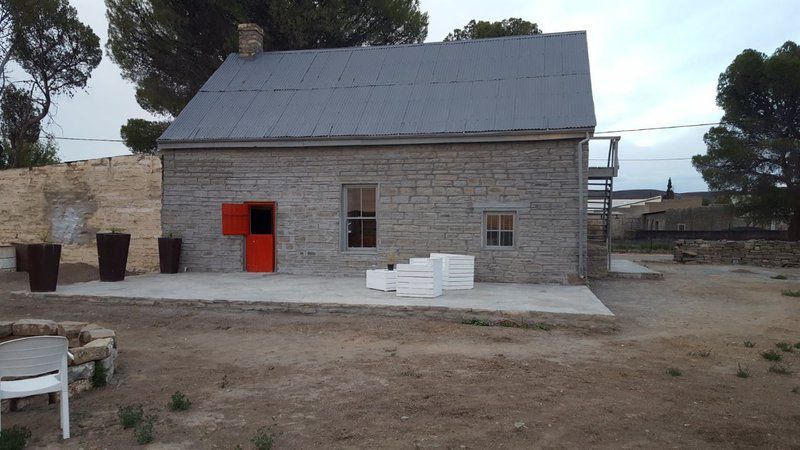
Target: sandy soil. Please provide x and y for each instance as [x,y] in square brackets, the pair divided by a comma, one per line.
[343,382]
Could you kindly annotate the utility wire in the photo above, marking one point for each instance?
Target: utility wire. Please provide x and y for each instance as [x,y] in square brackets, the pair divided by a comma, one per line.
[631,130]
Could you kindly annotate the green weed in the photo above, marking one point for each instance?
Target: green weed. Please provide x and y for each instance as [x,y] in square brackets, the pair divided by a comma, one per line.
[771,355]
[144,433]
[749,344]
[130,415]
[179,402]
[785,346]
[99,376]
[264,439]
[674,372]
[14,438]
[780,369]
[790,293]
[742,372]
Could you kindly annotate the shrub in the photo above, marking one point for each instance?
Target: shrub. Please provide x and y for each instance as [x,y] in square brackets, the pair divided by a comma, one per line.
[742,372]
[263,439]
[99,376]
[785,346]
[477,322]
[130,415]
[144,431]
[779,277]
[14,438]
[771,355]
[179,402]
[779,369]
[749,344]
[791,293]
[674,372]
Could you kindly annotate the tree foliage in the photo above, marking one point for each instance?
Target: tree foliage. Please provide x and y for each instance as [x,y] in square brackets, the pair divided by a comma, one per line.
[755,153]
[56,53]
[482,29]
[140,135]
[669,194]
[169,48]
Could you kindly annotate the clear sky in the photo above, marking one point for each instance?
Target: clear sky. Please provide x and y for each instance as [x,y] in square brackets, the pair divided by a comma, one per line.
[653,63]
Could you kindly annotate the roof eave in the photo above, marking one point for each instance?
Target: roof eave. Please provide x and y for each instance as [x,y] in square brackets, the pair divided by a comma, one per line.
[345,141]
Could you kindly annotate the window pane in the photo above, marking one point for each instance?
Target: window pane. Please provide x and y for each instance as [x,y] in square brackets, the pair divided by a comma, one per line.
[353,202]
[368,202]
[507,222]
[492,222]
[354,233]
[506,238]
[369,233]
[492,238]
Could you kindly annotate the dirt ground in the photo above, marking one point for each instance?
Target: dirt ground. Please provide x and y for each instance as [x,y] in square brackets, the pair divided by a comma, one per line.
[343,382]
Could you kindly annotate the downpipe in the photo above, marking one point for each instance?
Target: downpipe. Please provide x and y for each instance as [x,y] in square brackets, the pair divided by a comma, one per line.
[582,211]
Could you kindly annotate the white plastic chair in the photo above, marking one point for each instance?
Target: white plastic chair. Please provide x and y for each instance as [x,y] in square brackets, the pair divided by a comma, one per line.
[44,359]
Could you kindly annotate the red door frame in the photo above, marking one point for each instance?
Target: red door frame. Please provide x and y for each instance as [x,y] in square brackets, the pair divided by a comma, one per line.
[274,207]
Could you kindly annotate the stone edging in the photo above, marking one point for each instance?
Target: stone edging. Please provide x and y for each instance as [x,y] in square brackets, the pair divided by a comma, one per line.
[562,320]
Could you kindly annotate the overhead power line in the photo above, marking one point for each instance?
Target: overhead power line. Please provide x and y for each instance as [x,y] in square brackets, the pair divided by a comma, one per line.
[631,130]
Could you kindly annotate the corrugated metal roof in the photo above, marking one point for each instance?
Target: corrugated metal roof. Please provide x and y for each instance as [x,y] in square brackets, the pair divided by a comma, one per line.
[515,84]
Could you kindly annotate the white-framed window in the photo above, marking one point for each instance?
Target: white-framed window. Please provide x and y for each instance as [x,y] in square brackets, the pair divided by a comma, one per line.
[359,216]
[498,229]
[681,227]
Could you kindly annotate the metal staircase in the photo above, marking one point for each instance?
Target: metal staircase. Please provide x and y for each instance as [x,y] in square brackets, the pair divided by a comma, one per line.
[600,189]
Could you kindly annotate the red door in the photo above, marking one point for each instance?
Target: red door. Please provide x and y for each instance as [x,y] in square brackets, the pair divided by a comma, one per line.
[259,253]
[260,240]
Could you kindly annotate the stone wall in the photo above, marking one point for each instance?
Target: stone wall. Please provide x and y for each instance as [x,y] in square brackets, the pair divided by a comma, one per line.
[68,203]
[432,198]
[755,253]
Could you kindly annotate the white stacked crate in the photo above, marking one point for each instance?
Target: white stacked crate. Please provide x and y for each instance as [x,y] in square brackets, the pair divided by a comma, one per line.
[382,279]
[421,278]
[458,271]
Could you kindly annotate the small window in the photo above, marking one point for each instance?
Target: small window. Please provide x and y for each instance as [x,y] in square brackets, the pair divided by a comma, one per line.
[681,227]
[360,221]
[499,229]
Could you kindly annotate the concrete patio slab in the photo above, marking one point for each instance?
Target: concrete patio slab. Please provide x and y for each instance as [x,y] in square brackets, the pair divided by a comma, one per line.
[623,268]
[342,294]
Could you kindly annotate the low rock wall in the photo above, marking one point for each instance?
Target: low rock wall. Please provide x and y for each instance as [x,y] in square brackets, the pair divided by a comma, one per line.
[765,253]
[90,345]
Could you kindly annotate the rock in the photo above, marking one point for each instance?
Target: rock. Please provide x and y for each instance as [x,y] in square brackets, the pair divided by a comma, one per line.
[97,333]
[34,327]
[109,364]
[5,329]
[79,386]
[93,351]
[71,331]
[80,372]
[519,425]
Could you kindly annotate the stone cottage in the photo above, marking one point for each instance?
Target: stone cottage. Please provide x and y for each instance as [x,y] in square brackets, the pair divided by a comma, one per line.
[324,161]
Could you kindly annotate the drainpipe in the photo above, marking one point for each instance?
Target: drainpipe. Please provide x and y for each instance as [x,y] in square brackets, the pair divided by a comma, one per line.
[581,211]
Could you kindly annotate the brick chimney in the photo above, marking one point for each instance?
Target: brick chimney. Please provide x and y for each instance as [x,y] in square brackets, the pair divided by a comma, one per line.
[251,39]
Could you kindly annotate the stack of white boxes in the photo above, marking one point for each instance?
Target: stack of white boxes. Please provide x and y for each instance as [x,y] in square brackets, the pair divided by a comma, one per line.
[382,279]
[458,271]
[421,278]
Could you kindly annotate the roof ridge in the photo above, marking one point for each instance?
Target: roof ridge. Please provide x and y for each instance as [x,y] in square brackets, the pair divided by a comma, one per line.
[420,44]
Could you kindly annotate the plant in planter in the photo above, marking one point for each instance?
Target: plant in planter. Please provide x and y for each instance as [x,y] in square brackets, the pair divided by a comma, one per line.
[42,264]
[169,253]
[112,254]
[391,259]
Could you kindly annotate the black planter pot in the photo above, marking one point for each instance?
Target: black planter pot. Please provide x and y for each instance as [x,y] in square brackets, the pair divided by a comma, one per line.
[42,266]
[112,255]
[390,266]
[169,254]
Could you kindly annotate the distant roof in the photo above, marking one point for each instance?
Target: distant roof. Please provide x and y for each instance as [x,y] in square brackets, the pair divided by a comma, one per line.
[537,83]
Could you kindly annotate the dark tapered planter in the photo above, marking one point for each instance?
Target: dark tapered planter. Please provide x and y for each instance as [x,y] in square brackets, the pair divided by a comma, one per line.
[112,255]
[42,266]
[169,254]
